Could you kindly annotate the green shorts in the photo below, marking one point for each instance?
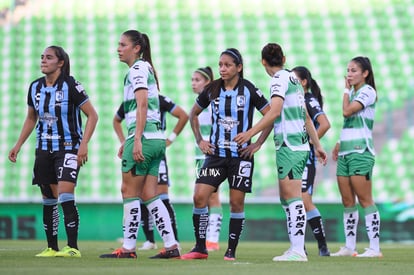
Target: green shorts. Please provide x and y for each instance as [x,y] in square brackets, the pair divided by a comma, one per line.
[291,163]
[154,152]
[356,164]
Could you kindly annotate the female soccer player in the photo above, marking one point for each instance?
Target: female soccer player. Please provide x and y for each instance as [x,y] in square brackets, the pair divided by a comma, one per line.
[292,126]
[233,100]
[199,80]
[54,103]
[143,149]
[314,106]
[355,157]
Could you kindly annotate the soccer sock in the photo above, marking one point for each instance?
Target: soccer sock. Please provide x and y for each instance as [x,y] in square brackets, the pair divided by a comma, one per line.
[71,218]
[147,224]
[200,222]
[287,212]
[162,221]
[214,224]
[165,199]
[235,230]
[372,223]
[297,224]
[51,222]
[132,218]
[351,218]
[315,222]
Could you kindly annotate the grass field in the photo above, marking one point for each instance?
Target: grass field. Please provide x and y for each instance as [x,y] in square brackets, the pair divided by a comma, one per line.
[17,257]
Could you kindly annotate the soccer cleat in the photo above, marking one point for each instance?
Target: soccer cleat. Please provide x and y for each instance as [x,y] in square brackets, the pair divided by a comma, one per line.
[370,253]
[324,251]
[48,252]
[212,246]
[291,256]
[120,253]
[148,246]
[68,252]
[229,255]
[167,254]
[344,251]
[195,254]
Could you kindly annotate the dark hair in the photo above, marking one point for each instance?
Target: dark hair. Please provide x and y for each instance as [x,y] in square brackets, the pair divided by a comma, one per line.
[311,84]
[62,55]
[237,58]
[142,40]
[272,53]
[365,65]
[215,86]
[206,72]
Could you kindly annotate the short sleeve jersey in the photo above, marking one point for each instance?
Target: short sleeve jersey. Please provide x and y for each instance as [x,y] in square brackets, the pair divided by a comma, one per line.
[314,110]
[166,105]
[204,119]
[58,108]
[231,113]
[356,134]
[289,127]
[141,76]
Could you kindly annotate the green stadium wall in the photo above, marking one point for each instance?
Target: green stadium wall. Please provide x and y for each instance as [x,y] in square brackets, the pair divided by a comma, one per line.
[264,222]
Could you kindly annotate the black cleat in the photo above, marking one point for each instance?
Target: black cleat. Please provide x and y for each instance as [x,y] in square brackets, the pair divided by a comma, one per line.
[119,253]
[167,254]
[324,251]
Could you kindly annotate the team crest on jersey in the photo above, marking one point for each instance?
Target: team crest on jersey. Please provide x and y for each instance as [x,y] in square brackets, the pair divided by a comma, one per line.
[240,100]
[59,96]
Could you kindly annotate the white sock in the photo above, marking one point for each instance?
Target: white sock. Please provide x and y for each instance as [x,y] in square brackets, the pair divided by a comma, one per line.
[372,223]
[288,219]
[132,218]
[297,225]
[162,221]
[214,227]
[351,218]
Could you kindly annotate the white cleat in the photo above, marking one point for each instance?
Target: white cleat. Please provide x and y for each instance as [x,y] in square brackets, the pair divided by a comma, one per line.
[344,252]
[148,246]
[370,253]
[291,256]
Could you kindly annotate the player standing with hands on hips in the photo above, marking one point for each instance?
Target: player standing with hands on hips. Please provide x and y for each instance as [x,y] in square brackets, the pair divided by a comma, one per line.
[54,103]
[233,100]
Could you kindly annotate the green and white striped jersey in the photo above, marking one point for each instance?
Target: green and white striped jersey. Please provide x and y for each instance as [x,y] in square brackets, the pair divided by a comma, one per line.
[204,119]
[141,75]
[356,134]
[289,127]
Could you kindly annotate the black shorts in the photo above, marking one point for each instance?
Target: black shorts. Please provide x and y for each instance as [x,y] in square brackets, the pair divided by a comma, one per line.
[163,173]
[237,171]
[308,178]
[52,167]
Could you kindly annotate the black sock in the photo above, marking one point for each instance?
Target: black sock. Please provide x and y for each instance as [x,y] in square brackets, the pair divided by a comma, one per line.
[200,222]
[235,230]
[318,230]
[147,226]
[51,224]
[71,218]
[172,215]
